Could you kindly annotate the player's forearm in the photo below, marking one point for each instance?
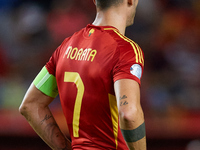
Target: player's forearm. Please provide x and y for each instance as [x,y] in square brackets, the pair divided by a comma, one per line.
[44,124]
[133,130]
[139,145]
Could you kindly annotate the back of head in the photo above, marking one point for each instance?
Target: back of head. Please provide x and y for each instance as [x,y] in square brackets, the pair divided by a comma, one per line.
[105,4]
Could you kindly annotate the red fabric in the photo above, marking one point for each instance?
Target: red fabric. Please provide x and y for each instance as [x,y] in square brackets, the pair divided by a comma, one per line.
[113,60]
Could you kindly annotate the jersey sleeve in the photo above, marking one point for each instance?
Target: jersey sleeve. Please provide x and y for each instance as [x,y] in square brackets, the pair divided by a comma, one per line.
[52,63]
[130,63]
[45,81]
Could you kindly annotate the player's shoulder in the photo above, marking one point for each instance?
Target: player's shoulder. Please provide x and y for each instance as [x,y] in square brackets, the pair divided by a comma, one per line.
[123,41]
[128,47]
[74,35]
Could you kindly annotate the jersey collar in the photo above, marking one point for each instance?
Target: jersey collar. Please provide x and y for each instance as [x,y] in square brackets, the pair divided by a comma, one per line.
[102,28]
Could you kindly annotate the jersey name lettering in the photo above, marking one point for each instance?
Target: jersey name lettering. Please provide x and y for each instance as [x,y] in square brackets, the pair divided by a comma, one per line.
[79,54]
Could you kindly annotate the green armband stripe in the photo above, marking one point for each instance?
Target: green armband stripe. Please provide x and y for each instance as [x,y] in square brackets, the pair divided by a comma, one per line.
[46,83]
[135,134]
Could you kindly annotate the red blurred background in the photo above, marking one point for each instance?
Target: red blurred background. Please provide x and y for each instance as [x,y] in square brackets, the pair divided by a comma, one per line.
[168,31]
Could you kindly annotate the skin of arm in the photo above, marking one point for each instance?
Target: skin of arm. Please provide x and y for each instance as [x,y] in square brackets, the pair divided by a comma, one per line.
[130,111]
[36,111]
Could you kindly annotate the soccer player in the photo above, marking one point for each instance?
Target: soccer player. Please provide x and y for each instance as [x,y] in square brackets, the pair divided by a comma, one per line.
[97,74]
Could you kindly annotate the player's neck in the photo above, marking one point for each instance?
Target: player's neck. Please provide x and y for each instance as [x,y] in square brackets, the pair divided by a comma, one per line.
[111,18]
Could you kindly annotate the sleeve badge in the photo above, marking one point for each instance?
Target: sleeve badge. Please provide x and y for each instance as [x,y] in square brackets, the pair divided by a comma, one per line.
[136,70]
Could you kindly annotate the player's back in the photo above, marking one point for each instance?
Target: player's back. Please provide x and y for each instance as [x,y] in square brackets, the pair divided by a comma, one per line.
[85,66]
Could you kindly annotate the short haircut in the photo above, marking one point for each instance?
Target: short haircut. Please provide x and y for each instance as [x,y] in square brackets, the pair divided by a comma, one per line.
[104,4]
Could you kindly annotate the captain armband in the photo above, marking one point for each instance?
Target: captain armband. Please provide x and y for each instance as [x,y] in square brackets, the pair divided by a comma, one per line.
[135,134]
[46,83]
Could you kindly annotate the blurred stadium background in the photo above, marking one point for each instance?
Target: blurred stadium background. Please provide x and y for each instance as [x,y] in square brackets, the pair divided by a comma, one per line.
[168,32]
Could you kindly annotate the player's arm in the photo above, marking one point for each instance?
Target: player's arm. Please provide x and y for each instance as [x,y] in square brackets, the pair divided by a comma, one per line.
[35,109]
[131,115]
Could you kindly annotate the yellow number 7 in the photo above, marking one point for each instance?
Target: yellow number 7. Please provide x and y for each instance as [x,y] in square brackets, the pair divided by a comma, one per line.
[75,78]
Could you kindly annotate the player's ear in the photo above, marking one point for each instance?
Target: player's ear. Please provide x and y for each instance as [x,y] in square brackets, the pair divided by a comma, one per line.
[94,2]
[130,2]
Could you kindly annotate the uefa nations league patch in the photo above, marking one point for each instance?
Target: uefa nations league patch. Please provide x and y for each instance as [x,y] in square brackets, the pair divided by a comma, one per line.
[136,70]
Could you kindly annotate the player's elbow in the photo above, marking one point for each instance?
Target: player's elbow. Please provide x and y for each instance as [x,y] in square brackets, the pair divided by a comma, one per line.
[25,109]
[131,115]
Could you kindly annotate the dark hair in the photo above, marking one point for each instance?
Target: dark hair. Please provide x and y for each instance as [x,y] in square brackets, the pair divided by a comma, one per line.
[104,4]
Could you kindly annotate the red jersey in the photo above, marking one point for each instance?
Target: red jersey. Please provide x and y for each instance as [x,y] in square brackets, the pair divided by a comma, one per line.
[86,65]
